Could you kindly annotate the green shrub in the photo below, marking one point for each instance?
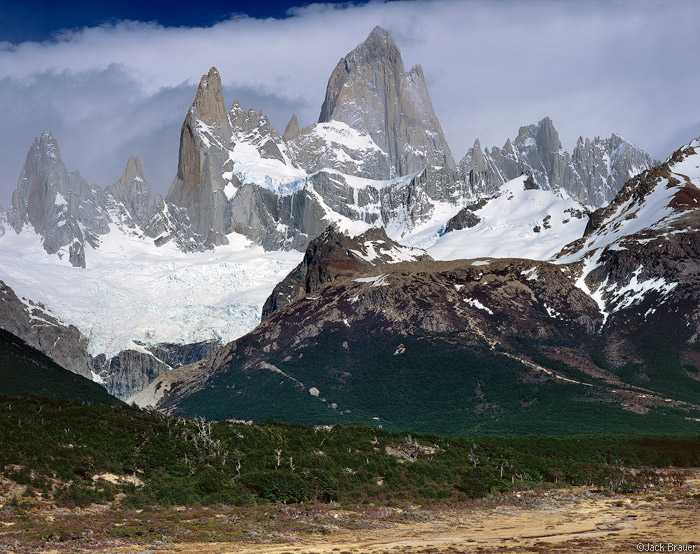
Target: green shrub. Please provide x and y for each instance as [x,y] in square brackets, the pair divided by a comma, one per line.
[77,494]
[477,484]
[279,486]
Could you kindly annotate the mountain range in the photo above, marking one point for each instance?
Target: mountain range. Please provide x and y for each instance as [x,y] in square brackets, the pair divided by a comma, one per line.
[352,271]
[592,174]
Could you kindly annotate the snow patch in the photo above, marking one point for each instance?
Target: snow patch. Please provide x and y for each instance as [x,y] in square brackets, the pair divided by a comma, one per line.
[474,303]
[530,274]
[60,200]
[378,281]
[229,191]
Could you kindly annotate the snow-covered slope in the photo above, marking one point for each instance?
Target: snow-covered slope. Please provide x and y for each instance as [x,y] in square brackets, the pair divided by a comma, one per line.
[517,223]
[133,290]
[645,208]
[641,250]
[258,155]
[336,145]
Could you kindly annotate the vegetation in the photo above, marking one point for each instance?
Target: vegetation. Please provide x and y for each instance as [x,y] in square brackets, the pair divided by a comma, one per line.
[77,454]
[25,370]
[433,387]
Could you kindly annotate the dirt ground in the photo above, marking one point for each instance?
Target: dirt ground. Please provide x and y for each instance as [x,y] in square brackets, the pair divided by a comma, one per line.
[567,520]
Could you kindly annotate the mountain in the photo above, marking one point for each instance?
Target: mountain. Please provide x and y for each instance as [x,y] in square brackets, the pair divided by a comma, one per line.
[26,371]
[334,255]
[200,186]
[58,204]
[377,157]
[389,167]
[36,325]
[162,282]
[492,345]
[134,198]
[371,91]
[595,171]
[639,259]
[292,130]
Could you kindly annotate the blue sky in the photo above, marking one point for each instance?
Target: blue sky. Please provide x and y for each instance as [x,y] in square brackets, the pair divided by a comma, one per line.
[110,82]
[39,20]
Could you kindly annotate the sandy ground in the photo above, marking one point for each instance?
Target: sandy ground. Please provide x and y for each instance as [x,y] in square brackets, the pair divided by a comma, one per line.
[572,520]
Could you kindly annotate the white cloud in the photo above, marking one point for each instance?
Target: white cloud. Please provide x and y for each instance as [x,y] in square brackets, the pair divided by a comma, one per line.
[594,68]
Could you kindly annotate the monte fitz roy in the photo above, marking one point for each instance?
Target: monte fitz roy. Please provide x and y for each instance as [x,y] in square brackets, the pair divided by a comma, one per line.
[352,270]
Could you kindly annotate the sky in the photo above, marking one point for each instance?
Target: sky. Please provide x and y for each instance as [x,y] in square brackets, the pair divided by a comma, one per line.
[113,79]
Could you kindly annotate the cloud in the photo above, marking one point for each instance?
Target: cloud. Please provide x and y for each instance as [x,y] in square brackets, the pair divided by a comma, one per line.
[595,68]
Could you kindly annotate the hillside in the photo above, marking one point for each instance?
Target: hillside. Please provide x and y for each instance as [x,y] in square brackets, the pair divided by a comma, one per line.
[178,461]
[26,371]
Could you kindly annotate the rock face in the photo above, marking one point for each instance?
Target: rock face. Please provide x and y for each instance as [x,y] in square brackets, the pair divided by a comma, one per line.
[292,129]
[593,174]
[371,91]
[39,328]
[58,204]
[606,164]
[132,192]
[480,172]
[199,187]
[131,370]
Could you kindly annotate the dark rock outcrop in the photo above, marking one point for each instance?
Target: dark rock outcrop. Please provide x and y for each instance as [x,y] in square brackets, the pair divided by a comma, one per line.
[464,219]
[334,255]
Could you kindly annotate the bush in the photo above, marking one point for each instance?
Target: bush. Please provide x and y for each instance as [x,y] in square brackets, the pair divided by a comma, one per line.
[279,486]
[475,484]
[77,494]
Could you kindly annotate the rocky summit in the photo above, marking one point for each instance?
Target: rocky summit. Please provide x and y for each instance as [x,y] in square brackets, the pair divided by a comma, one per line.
[371,91]
[57,204]
[377,157]
[595,171]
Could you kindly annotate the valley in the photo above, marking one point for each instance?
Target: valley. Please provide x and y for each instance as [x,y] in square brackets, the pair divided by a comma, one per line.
[110,478]
[343,337]
[552,520]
